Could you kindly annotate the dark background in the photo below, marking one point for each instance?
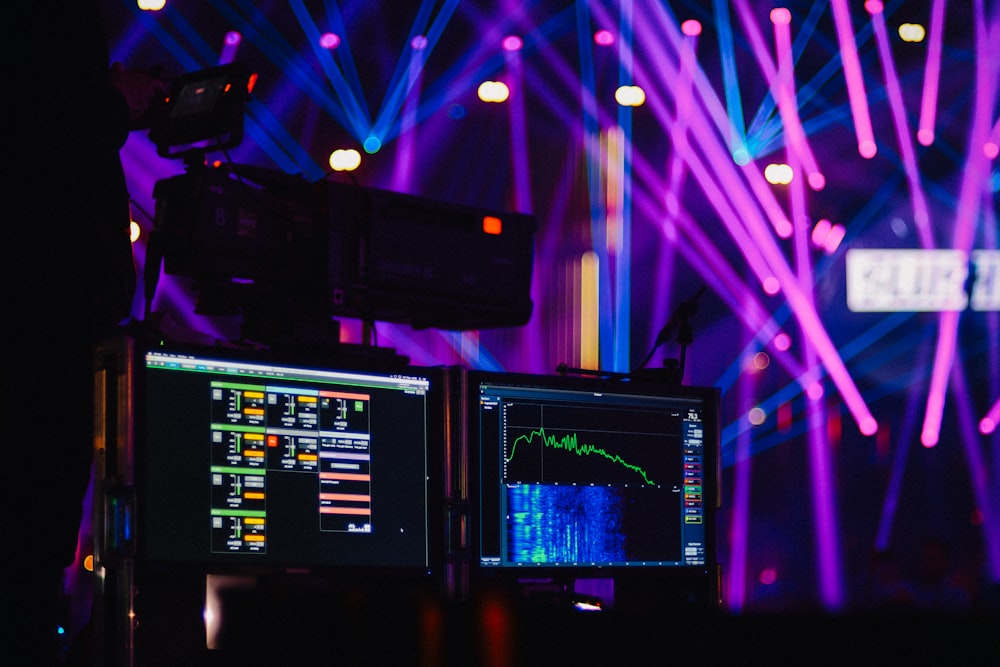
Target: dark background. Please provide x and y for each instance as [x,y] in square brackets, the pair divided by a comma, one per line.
[884,494]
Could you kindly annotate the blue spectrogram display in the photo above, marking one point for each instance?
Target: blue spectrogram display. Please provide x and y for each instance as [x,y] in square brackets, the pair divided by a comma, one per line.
[568,524]
[586,474]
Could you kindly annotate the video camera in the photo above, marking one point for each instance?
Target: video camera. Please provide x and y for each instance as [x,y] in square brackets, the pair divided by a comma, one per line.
[202,111]
[289,255]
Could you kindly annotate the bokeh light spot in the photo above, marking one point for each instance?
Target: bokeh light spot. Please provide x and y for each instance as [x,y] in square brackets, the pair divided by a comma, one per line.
[778,173]
[630,96]
[874,6]
[691,28]
[345,159]
[493,91]
[512,43]
[761,360]
[329,40]
[604,38]
[912,32]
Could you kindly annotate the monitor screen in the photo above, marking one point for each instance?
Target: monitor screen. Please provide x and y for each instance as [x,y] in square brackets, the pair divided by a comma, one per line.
[248,460]
[587,475]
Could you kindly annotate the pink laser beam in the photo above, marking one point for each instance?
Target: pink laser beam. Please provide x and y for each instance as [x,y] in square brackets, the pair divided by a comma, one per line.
[974,180]
[932,75]
[784,84]
[764,243]
[714,150]
[921,215]
[854,78]
[988,424]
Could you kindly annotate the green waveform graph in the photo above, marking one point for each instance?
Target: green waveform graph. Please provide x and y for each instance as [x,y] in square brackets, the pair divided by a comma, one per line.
[570,443]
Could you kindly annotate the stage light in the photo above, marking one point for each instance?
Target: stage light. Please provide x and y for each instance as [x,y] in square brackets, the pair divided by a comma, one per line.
[372,145]
[345,159]
[691,28]
[604,38]
[817,181]
[630,96]
[778,174]
[134,231]
[230,44]
[512,43]
[771,285]
[912,32]
[151,5]
[820,231]
[329,40]
[874,6]
[757,416]
[493,91]
[834,239]
[781,15]
[761,360]
[868,426]
[782,342]
[991,150]
[419,42]
[827,236]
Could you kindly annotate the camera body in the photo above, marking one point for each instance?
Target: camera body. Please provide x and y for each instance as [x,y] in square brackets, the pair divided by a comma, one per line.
[202,110]
[289,255]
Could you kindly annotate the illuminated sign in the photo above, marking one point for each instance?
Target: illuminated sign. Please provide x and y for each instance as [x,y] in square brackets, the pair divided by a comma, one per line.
[884,280]
[986,289]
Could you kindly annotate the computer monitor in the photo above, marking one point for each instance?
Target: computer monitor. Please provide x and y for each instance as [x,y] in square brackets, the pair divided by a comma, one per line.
[575,477]
[253,461]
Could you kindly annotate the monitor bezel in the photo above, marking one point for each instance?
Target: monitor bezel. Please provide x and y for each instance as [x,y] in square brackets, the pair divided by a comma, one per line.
[350,360]
[566,574]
